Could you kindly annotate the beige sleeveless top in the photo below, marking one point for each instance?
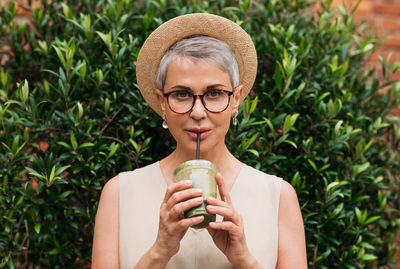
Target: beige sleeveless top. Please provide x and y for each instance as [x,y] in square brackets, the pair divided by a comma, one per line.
[255,195]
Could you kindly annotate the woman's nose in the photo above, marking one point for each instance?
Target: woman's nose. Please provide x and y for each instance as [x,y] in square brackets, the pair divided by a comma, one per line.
[198,110]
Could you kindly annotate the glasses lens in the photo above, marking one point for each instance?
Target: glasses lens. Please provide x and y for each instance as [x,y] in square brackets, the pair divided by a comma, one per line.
[216,100]
[213,100]
[180,101]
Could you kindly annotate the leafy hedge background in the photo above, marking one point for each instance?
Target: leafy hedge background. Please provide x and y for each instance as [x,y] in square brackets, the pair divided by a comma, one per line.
[71,118]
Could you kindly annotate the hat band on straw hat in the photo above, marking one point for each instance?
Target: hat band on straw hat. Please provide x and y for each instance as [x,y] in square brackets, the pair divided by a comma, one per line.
[188,25]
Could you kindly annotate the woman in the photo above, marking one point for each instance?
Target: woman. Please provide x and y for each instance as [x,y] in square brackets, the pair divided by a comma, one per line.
[194,71]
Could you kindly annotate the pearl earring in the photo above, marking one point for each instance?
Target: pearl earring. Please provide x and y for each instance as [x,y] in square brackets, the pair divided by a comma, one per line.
[164,124]
[234,120]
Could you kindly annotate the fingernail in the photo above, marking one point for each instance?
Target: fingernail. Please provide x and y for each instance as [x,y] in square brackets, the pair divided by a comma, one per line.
[211,198]
[198,199]
[210,207]
[188,182]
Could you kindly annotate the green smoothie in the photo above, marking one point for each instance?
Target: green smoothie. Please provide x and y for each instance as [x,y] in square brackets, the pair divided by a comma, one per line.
[202,174]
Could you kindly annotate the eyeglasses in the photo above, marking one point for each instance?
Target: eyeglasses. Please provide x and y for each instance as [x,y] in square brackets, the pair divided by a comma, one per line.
[182,102]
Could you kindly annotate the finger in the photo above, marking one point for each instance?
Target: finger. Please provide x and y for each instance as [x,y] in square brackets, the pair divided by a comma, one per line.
[223,192]
[217,202]
[183,195]
[180,208]
[211,231]
[226,212]
[178,186]
[225,225]
[186,223]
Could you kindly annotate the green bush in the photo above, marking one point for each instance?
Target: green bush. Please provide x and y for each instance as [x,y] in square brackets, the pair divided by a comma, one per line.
[72,117]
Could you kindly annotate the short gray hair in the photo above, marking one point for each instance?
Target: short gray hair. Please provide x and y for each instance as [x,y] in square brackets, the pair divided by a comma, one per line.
[199,48]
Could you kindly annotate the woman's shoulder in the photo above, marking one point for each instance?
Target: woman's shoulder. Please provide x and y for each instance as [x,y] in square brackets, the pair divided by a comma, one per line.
[147,170]
[286,190]
[110,189]
[254,173]
[288,195]
[112,185]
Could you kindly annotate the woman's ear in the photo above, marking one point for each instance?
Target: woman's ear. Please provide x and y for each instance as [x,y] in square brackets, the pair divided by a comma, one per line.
[236,97]
[160,99]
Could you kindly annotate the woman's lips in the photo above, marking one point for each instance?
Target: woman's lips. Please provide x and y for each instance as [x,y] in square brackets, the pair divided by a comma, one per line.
[203,133]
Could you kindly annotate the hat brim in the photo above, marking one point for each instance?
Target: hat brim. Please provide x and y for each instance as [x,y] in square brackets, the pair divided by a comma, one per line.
[183,26]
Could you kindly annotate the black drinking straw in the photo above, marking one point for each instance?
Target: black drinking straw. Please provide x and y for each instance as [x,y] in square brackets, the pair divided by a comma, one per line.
[198,147]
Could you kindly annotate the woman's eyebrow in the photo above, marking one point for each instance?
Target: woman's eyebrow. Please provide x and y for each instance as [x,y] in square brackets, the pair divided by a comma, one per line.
[181,87]
[186,88]
[215,86]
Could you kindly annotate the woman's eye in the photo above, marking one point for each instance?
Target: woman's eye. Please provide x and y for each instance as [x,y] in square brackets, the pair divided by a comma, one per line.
[181,95]
[214,93]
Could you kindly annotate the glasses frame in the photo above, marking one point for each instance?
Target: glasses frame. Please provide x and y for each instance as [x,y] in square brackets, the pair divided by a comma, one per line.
[230,93]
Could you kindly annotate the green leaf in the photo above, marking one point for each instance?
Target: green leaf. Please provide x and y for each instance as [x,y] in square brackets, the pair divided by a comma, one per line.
[37,228]
[54,251]
[368,257]
[25,91]
[326,166]
[60,55]
[290,143]
[64,195]
[106,38]
[337,128]
[253,105]
[290,120]
[254,152]
[295,180]
[67,11]
[331,185]
[62,169]
[73,141]
[86,145]
[38,175]
[134,145]
[323,96]
[251,140]
[112,151]
[64,144]
[337,210]
[53,171]
[371,219]
[6,146]
[358,169]
[271,127]
[312,164]
[358,215]
[21,198]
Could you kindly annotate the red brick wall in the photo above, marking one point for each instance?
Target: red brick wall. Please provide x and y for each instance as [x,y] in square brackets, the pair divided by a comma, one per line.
[383,16]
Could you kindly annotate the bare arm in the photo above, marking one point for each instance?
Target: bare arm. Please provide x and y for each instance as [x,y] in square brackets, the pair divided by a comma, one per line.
[106,230]
[106,234]
[291,243]
[172,226]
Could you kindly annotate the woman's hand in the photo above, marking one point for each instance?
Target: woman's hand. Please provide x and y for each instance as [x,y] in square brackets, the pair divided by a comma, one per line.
[228,235]
[179,197]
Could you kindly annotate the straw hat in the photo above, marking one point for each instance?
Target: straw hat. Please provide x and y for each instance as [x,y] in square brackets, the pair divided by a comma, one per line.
[183,26]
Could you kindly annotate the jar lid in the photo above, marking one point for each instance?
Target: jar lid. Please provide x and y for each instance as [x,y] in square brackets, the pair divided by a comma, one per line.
[196,164]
